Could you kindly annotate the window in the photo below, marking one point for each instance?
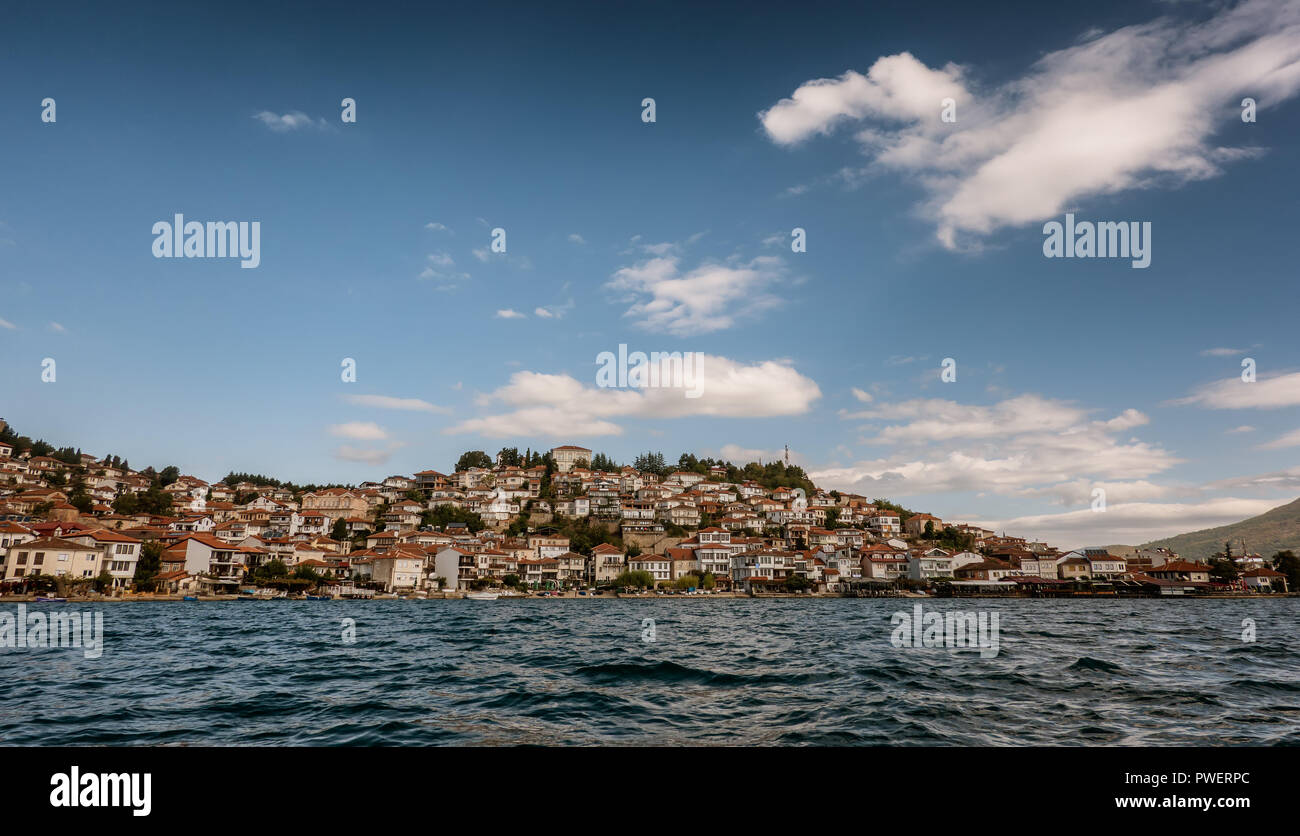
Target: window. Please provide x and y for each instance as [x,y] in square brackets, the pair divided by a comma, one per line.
[39,559]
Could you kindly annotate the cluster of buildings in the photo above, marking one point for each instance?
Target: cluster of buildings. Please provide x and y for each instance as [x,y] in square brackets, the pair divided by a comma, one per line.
[742,536]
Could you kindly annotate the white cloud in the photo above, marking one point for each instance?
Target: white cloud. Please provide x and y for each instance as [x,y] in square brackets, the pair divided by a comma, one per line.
[932,420]
[292,121]
[1129,109]
[387,402]
[897,87]
[439,269]
[482,254]
[437,227]
[577,239]
[1023,446]
[1126,420]
[57,328]
[508,313]
[1270,392]
[1291,439]
[1222,352]
[553,405]
[359,431]
[1244,428]
[1130,523]
[7,325]
[364,456]
[711,297]
[553,311]
[1287,480]
[861,395]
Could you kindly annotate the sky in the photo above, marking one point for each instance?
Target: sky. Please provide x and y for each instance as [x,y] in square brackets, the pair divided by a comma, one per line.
[923,230]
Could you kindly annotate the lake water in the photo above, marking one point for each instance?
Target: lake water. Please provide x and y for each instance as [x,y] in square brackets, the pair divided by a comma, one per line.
[725,671]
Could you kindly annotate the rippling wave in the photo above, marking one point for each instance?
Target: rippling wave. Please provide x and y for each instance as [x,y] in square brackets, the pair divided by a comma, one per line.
[721,672]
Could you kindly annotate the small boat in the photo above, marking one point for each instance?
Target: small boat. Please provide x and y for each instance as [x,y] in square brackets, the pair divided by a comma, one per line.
[50,599]
[482,596]
[318,597]
[190,598]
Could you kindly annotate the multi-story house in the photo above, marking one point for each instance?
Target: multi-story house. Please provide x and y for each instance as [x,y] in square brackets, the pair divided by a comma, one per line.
[925,567]
[336,503]
[568,456]
[548,545]
[761,569]
[659,566]
[52,556]
[120,553]
[607,563]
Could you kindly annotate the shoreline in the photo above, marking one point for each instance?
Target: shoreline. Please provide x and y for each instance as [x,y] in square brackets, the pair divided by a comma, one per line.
[222,599]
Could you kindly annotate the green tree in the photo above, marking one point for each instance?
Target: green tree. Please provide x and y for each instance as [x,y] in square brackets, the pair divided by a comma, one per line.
[651,463]
[340,530]
[797,583]
[103,581]
[154,500]
[688,582]
[271,570]
[473,458]
[443,514]
[638,579]
[954,540]
[1288,564]
[149,564]
[1223,570]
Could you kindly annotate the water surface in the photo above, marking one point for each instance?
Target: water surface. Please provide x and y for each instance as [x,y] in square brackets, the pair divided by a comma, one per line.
[724,671]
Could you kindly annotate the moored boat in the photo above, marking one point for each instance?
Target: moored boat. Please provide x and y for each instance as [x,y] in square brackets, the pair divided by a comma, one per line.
[482,596]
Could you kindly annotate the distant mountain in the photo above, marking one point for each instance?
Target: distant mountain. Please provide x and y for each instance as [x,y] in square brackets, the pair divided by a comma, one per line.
[1271,532]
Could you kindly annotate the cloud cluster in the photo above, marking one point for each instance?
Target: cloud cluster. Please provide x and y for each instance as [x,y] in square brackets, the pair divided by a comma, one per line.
[1126,109]
[710,297]
[291,121]
[360,431]
[388,402]
[559,405]
[1023,446]
[1130,523]
[1271,392]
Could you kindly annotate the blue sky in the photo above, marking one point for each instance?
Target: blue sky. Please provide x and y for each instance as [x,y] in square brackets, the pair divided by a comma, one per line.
[924,241]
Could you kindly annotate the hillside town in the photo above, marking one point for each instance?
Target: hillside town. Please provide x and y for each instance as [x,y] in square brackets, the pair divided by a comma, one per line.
[563,521]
